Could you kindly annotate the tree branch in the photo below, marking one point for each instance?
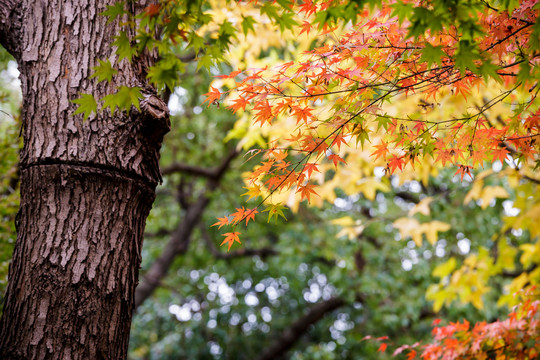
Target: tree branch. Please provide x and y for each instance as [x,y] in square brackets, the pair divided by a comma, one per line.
[210,173]
[178,244]
[10,25]
[291,335]
[181,237]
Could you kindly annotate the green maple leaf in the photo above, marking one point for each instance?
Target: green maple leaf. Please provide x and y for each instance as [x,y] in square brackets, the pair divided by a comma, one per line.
[114,11]
[489,69]
[165,72]
[104,71]
[465,57]
[383,121]
[247,24]
[432,54]
[123,99]
[87,105]
[123,46]
[275,210]
[402,10]
[286,21]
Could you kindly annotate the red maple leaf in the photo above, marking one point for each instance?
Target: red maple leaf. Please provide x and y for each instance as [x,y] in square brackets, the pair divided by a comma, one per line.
[395,162]
[500,154]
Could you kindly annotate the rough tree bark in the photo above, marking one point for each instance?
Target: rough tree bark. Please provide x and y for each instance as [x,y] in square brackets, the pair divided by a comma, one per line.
[86,186]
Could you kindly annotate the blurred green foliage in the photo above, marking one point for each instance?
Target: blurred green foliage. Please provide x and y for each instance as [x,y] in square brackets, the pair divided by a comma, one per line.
[10,101]
[212,308]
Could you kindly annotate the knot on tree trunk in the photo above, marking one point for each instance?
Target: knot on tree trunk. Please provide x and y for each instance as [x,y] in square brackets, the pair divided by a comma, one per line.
[155,118]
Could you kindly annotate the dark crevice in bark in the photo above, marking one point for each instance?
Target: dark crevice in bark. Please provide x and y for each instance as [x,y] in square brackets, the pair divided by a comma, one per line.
[102,169]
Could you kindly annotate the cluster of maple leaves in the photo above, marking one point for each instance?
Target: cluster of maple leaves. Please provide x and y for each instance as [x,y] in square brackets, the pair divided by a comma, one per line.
[336,93]
[517,337]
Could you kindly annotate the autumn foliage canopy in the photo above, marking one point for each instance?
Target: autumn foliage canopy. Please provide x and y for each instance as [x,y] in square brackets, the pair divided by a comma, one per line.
[343,94]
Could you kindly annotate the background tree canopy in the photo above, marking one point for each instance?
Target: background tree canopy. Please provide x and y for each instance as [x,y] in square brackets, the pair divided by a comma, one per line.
[390,238]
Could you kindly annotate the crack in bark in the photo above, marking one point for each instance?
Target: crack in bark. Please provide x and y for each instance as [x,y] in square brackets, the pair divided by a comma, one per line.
[96,168]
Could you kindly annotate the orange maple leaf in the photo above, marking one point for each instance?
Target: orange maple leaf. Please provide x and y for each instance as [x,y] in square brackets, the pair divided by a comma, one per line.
[231,238]
[302,114]
[381,151]
[411,355]
[336,158]
[306,191]
[310,168]
[250,214]
[239,103]
[464,169]
[338,140]
[500,154]
[238,215]
[212,96]
[231,75]
[222,221]
[306,28]
[152,10]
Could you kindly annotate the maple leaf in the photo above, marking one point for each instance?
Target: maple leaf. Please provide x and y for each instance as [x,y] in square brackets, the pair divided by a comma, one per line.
[222,221]
[250,214]
[212,96]
[87,104]
[263,113]
[230,238]
[336,158]
[302,114]
[238,215]
[275,210]
[239,103]
[338,140]
[310,168]
[306,191]
[306,28]
[464,170]
[411,355]
[232,75]
[500,154]
[395,162]
[152,10]
[382,347]
[444,156]
[381,151]
[252,192]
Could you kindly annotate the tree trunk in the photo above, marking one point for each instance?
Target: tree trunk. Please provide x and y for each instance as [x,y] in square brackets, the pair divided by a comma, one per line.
[86,186]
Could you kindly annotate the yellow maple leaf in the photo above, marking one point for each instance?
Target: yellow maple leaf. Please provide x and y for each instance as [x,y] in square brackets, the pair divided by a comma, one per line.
[370,186]
[431,229]
[351,228]
[422,207]
[491,192]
